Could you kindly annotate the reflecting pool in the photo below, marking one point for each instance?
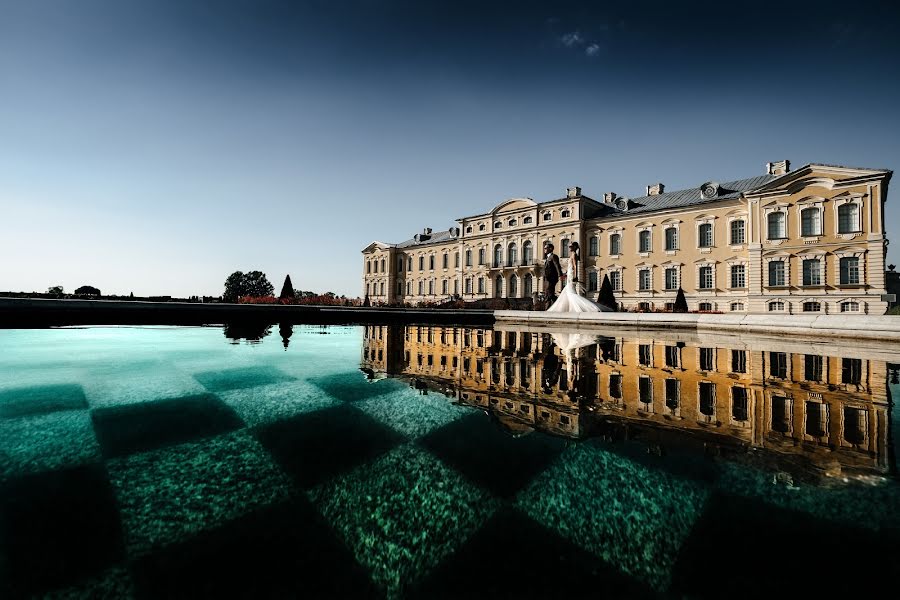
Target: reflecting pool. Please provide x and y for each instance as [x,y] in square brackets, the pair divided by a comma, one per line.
[282,461]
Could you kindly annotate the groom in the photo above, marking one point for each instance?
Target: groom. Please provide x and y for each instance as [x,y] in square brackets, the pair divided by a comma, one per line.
[552,272]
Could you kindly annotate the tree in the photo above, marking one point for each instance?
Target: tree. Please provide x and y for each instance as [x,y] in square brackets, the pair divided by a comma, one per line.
[87,290]
[287,290]
[56,290]
[253,283]
[607,297]
[680,302]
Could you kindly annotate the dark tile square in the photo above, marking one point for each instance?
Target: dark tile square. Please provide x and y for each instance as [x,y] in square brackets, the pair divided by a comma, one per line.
[316,446]
[56,528]
[123,430]
[492,458]
[754,549]
[38,400]
[284,551]
[512,556]
[353,386]
[245,377]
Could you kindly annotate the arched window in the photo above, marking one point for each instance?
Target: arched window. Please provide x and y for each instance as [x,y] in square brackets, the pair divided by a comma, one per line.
[548,216]
[481,258]
[594,246]
[513,286]
[527,253]
[850,306]
[736,306]
[446,261]
[468,257]
[399,264]
[399,288]
[529,285]
[444,287]
[421,288]
[810,222]
[367,289]
[812,307]
[381,289]
[481,285]
[513,222]
[409,288]
[527,221]
[706,306]
[566,213]
[409,264]
[705,236]
[644,241]
[564,248]
[469,229]
[431,262]
[375,266]
[848,218]
[431,287]
[512,254]
[498,255]
[481,227]
[498,225]
[368,267]
[776,305]
[382,265]
[775,222]
[671,238]
[615,244]
[498,287]
[468,285]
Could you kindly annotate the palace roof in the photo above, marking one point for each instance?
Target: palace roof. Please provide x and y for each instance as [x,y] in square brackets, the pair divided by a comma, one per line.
[727,190]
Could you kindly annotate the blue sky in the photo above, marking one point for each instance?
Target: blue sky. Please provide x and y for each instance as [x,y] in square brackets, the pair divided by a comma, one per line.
[155,147]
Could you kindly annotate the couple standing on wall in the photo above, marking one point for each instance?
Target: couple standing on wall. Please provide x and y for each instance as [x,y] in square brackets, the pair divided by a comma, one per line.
[569,299]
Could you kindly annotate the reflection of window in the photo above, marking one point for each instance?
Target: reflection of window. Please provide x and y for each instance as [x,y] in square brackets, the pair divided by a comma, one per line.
[738,361]
[848,218]
[672,394]
[812,367]
[810,222]
[849,270]
[854,425]
[672,356]
[778,365]
[644,354]
[776,227]
[851,370]
[781,414]
[707,398]
[739,404]
[737,232]
[707,359]
[645,389]
[816,419]
[615,385]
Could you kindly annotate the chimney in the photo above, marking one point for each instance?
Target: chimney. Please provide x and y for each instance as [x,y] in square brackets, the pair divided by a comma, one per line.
[778,168]
[427,231]
[573,192]
[655,189]
[609,197]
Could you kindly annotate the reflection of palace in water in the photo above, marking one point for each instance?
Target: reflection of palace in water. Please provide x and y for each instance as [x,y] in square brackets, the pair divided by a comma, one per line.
[828,414]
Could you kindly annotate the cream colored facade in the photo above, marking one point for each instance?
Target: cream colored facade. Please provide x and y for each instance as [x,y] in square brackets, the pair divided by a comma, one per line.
[810,240]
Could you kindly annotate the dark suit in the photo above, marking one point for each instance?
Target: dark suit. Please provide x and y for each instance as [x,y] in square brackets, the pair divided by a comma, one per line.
[552,273]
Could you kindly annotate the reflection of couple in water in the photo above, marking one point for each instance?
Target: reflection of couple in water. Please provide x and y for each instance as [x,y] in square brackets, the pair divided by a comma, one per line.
[570,344]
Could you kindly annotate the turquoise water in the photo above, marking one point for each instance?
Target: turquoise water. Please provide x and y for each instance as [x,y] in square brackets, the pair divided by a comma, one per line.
[300,461]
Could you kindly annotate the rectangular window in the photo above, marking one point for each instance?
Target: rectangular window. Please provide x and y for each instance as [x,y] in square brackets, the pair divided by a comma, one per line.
[644,354]
[615,279]
[739,404]
[738,361]
[671,239]
[592,281]
[776,272]
[738,276]
[849,270]
[615,244]
[644,241]
[672,394]
[707,398]
[615,385]
[855,425]
[468,286]
[564,248]
[444,287]
[431,262]
[706,278]
[644,279]
[431,287]
[705,235]
[671,278]
[848,218]
[446,261]
[456,260]
[737,232]
[707,359]
[851,370]
[812,367]
[456,286]
[481,285]
[812,272]
[645,390]
[810,222]
[672,356]
[468,258]
[421,263]
[776,225]
[594,246]
[481,256]
[778,365]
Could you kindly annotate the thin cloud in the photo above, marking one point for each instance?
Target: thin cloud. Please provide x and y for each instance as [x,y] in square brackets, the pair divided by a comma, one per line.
[592,50]
[572,39]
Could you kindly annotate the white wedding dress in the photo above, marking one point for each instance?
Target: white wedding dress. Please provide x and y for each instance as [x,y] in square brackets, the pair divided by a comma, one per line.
[570,300]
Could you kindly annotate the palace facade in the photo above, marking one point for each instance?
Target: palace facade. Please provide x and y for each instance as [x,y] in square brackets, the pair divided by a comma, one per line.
[806,241]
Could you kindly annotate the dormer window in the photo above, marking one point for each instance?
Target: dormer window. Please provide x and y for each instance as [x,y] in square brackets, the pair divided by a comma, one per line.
[566,213]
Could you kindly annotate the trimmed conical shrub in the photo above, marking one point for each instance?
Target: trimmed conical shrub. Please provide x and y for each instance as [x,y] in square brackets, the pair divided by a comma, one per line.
[680,302]
[607,297]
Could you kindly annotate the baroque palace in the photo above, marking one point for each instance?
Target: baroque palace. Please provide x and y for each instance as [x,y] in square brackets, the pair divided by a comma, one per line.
[811,240]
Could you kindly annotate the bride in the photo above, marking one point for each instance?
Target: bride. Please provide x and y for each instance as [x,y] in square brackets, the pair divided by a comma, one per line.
[569,299]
